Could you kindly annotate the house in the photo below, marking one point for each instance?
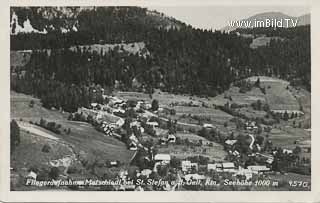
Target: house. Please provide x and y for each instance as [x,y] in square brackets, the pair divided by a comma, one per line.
[120,122]
[268,158]
[146,105]
[287,151]
[152,124]
[228,167]
[146,172]
[194,177]
[133,146]
[236,153]
[208,125]
[119,111]
[258,169]
[251,125]
[171,138]
[135,123]
[94,105]
[123,174]
[163,158]
[116,101]
[133,138]
[32,175]
[212,167]
[230,142]
[244,172]
[188,165]
[113,163]
[163,141]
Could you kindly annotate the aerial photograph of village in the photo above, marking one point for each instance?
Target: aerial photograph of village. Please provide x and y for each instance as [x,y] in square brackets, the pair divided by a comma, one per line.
[144,99]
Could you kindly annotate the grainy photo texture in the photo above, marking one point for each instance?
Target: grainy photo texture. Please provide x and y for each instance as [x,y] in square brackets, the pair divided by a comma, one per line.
[115,98]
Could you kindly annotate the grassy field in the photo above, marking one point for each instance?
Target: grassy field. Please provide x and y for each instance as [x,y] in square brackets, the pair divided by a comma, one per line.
[285,136]
[83,136]
[277,94]
[237,97]
[28,153]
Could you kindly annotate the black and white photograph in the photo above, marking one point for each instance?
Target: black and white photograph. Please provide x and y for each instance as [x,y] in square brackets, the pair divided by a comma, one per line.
[160,98]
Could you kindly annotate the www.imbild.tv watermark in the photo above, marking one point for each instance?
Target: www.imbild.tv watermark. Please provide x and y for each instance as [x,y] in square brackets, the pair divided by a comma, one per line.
[255,23]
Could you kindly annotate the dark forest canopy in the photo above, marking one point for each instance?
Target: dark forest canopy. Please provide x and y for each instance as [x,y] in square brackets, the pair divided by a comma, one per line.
[182,59]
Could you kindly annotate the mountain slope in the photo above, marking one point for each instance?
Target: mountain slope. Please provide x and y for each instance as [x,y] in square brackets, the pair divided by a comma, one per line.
[72,19]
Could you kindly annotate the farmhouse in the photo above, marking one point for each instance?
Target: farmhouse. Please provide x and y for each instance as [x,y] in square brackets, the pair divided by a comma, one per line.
[133,146]
[146,172]
[287,151]
[244,172]
[228,167]
[208,125]
[188,165]
[152,124]
[32,175]
[163,158]
[230,142]
[214,167]
[258,169]
[251,125]
[194,177]
[171,138]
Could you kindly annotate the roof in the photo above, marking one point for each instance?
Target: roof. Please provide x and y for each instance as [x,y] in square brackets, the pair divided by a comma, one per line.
[162,157]
[152,123]
[228,165]
[32,175]
[146,172]
[258,168]
[230,142]
[207,125]
[212,166]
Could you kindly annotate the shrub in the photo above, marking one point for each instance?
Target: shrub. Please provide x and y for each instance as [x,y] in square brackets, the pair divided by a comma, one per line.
[54,173]
[46,148]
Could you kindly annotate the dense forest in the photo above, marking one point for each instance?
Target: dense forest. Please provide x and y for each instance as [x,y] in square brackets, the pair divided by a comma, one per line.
[182,59]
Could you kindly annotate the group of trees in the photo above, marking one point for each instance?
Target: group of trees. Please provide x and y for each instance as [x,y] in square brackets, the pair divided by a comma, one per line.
[51,126]
[14,135]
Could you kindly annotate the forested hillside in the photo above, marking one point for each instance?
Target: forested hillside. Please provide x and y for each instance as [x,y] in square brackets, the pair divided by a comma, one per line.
[182,59]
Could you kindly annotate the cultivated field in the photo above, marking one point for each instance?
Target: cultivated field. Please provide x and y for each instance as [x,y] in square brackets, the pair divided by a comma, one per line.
[277,95]
[285,136]
[215,153]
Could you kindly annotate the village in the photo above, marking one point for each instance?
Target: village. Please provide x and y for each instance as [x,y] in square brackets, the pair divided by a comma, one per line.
[140,125]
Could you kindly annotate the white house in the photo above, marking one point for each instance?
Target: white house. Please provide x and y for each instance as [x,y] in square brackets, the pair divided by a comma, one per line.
[207,125]
[287,151]
[32,175]
[251,125]
[228,167]
[244,172]
[146,172]
[133,146]
[212,167]
[230,142]
[153,124]
[163,158]
[188,165]
[171,138]
[258,169]
[194,177]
